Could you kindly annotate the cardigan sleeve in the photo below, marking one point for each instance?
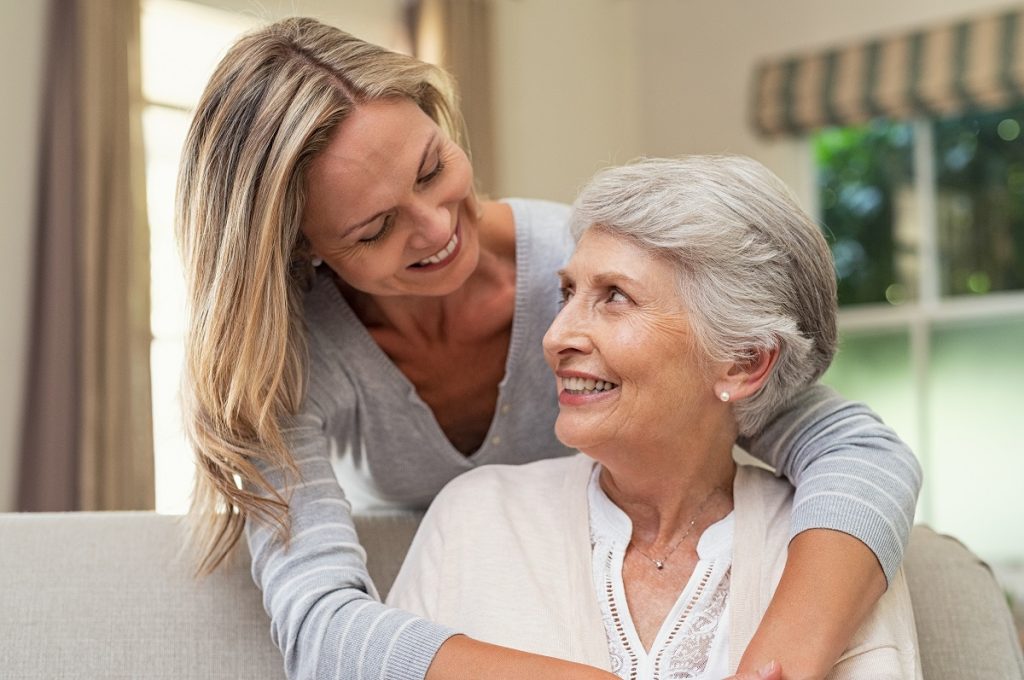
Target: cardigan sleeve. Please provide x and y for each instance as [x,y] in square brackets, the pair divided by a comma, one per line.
[852,473]
[325,614]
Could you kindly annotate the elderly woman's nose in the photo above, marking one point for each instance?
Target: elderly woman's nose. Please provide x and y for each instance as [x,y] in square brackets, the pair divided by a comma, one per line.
[567,332]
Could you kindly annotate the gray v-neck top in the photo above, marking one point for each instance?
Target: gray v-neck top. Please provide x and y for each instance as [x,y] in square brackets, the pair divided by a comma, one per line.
[387,448]
[363,428]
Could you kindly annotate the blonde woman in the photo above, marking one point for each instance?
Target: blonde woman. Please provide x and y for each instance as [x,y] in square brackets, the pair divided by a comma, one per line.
[357,315]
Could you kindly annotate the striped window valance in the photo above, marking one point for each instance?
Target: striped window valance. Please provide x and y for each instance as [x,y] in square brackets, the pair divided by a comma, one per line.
[975,64]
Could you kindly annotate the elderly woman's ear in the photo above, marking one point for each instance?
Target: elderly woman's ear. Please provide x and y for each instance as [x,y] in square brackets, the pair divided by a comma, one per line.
[744,378]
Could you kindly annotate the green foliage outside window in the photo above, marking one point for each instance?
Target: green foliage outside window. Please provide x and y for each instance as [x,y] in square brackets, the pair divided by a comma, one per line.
[980,202]
[870,212]
[863,173]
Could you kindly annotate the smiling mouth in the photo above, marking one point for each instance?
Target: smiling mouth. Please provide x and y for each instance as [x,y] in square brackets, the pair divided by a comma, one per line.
[586,385]
[441,255]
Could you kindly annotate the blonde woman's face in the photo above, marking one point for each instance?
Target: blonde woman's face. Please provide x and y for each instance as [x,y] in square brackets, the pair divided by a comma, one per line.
[386,204]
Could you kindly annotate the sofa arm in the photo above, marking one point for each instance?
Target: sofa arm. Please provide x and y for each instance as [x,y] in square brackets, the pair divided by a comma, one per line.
[964,627]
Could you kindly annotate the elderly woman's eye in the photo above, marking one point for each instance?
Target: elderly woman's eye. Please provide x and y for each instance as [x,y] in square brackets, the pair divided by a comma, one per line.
[616,295]
[564,295]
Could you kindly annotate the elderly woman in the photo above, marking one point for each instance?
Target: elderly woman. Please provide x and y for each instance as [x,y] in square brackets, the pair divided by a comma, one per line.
[699,301]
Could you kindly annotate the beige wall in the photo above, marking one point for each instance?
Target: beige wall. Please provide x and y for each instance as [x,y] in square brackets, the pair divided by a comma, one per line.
[565,93]
[22,26]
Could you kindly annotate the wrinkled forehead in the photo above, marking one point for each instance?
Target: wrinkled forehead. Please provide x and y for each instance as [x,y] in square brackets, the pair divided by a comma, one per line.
[603,257]
[599,248]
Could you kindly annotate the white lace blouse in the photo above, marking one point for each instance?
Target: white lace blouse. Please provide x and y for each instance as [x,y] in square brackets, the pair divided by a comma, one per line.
[693,641]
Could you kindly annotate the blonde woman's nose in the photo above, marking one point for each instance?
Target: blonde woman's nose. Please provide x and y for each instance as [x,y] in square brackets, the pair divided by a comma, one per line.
[433,228]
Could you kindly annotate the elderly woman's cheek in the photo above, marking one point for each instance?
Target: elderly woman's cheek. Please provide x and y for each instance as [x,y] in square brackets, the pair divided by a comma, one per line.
[665,334]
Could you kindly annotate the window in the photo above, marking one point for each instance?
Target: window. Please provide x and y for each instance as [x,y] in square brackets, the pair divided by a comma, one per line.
[926,224]
[174,72]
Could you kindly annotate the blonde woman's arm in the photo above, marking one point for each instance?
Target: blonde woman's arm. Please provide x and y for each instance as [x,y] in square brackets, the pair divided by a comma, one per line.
[325,615]
[856,490]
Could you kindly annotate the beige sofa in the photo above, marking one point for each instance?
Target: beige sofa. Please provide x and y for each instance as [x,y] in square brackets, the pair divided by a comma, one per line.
[108,595]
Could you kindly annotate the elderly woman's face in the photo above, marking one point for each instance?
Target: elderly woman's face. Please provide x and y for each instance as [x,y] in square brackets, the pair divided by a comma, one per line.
[627,370]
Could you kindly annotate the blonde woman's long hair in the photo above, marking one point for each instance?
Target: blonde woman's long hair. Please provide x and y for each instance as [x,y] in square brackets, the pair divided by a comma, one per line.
[268,110]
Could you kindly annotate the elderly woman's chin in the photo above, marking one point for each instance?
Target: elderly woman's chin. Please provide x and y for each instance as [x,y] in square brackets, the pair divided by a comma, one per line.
[583,437]
[589,422]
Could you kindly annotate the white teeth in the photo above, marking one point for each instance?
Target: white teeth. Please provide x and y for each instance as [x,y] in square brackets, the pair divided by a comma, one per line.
[443,253]
[587,385]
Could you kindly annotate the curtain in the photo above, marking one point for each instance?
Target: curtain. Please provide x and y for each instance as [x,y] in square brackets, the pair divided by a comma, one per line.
[87,433]
[946,70]
[456,34]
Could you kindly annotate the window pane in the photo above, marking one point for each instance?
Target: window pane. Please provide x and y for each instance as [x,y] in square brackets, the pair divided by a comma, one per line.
[172,457]
[976,464]
[181,44]
[875,367]
[980,202]
[866,187]
[164,132]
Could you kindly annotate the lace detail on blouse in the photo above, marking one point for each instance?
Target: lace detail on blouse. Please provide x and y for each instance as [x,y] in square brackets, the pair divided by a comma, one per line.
[692,643]
[623,656]
[689,658]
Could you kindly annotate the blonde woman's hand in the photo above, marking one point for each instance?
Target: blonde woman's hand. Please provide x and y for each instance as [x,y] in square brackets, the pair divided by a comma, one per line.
[770,671]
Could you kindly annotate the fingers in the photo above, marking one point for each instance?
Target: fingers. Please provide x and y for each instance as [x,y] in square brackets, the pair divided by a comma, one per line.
[770,671]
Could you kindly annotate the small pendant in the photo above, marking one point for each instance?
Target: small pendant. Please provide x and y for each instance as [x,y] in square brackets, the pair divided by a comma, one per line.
[659,564]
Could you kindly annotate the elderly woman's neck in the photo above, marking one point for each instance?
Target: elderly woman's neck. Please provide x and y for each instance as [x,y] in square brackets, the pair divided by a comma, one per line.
[666,492]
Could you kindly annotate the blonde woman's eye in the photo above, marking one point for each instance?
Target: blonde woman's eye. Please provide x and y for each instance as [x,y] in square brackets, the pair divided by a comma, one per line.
[433,174]
[385,227]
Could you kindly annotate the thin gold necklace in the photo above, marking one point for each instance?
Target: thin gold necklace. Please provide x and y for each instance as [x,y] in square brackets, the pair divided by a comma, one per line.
[660,564]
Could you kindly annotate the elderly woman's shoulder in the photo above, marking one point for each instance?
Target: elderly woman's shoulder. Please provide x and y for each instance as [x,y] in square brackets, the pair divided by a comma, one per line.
[757,474]
[760,496]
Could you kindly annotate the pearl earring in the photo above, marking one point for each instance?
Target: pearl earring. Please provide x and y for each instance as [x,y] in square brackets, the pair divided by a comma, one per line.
[316,261]
[724,396]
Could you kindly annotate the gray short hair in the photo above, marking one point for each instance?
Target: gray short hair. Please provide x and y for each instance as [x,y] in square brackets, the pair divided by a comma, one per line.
[754,269]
